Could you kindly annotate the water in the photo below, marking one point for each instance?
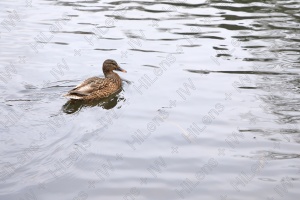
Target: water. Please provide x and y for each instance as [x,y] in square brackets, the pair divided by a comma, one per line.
[209,107]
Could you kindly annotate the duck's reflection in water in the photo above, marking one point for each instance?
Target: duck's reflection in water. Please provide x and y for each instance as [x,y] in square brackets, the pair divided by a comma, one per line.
[73,106]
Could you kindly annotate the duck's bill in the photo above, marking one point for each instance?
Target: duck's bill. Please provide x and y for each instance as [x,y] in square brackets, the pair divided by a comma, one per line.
[122,70]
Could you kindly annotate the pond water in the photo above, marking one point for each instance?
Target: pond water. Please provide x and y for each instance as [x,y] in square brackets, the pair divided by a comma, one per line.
[209,107]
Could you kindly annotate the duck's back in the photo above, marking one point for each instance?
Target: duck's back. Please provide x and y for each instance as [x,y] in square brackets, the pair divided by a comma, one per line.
[95,88]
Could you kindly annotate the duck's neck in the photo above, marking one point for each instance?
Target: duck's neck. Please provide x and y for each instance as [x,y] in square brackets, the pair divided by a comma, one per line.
[114,76]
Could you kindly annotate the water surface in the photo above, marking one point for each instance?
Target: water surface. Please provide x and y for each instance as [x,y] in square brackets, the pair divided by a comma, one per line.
[209,107]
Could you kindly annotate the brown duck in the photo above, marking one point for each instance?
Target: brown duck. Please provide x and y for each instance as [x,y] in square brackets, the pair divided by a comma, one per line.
[98,88]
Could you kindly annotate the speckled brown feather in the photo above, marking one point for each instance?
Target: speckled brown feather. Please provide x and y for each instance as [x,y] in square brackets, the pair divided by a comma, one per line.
[97,88]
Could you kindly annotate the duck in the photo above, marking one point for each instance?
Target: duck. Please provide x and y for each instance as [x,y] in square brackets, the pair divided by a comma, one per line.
[96,87]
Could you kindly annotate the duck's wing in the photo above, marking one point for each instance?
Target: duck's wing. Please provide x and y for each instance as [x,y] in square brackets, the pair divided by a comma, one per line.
[89,86]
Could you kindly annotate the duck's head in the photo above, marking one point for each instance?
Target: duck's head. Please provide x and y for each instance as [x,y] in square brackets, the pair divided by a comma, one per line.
[110,65]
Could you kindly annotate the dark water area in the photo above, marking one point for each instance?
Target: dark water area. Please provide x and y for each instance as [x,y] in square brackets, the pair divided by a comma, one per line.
[209,107]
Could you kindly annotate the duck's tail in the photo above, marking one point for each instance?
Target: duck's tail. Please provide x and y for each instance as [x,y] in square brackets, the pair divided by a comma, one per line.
[73,96]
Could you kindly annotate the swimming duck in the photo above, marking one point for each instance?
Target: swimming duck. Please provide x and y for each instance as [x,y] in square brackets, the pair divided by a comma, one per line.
[98,88]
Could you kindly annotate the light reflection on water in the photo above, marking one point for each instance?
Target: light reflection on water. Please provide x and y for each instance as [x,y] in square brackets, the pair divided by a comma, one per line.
[209,109]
